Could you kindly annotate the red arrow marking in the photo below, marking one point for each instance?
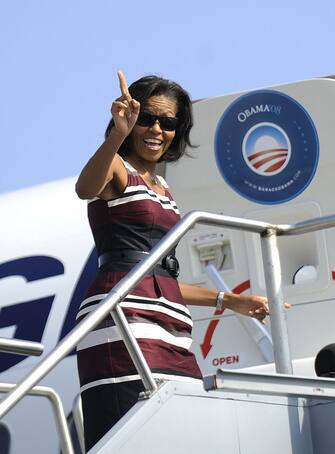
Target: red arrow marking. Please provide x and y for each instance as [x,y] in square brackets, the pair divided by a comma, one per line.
[206,345]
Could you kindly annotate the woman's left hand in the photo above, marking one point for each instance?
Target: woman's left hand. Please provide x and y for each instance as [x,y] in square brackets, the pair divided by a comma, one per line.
[253,305]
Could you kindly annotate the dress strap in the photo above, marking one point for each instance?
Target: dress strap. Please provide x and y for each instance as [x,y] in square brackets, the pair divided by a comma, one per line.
[130,169]
[163,182]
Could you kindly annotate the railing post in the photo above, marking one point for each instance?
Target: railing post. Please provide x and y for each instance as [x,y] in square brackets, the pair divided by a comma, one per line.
[134,350]
[272,272]
[78,419]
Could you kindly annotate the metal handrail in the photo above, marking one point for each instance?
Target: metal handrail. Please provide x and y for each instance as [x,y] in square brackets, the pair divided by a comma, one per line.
[21,347]
[310,225]
[272,271]
[77,412]
[280,385]
[59,414]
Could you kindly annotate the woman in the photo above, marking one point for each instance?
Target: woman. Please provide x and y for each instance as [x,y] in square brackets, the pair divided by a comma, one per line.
[130,209]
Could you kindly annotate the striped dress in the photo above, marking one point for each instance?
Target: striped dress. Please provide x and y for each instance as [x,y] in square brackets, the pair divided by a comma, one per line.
[155,309]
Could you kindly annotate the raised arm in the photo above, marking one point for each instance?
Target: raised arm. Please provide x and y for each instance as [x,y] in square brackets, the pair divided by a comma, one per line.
[105,165]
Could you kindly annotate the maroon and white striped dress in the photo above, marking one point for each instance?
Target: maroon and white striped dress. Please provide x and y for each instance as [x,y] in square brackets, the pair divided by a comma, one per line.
[155,309]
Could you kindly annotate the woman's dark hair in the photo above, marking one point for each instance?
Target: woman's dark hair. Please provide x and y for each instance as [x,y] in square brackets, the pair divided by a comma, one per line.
[148,86]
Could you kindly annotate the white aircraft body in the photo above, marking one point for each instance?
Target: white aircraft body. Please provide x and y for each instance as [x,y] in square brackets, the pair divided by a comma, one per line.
[265,155]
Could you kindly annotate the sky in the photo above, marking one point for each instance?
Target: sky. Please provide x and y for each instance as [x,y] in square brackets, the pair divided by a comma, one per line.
[58,62]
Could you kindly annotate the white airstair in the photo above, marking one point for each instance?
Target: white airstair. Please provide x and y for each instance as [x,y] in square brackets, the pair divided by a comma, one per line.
[243,414]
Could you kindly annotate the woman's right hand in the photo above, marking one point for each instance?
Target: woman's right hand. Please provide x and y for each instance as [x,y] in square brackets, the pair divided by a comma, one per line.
[102,168]
[124,109]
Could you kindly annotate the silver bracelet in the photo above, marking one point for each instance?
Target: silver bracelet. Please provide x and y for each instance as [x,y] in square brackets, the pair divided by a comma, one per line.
[219,301]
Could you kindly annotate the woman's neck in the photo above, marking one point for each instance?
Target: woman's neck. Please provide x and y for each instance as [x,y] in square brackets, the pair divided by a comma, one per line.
[147,171]
[142,165]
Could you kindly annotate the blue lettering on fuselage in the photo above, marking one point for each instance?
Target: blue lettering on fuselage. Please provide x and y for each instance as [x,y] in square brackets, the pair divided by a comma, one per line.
[86,277]
[29,317]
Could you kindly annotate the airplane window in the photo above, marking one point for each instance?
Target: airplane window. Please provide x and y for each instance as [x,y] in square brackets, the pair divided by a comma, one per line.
[4,439]
[304,274]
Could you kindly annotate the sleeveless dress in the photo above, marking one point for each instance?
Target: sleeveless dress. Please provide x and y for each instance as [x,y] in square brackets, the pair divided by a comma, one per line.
[155,309]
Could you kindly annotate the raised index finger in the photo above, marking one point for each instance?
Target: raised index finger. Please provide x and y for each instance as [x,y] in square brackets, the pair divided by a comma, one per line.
[123,85]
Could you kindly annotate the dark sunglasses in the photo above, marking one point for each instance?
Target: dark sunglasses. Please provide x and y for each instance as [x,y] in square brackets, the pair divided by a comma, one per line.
[166,123]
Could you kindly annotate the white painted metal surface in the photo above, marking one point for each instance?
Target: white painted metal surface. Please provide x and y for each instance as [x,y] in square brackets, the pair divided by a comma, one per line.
[183,418]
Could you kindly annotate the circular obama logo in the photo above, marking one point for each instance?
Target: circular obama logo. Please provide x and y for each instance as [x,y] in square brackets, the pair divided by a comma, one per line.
[266,147]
